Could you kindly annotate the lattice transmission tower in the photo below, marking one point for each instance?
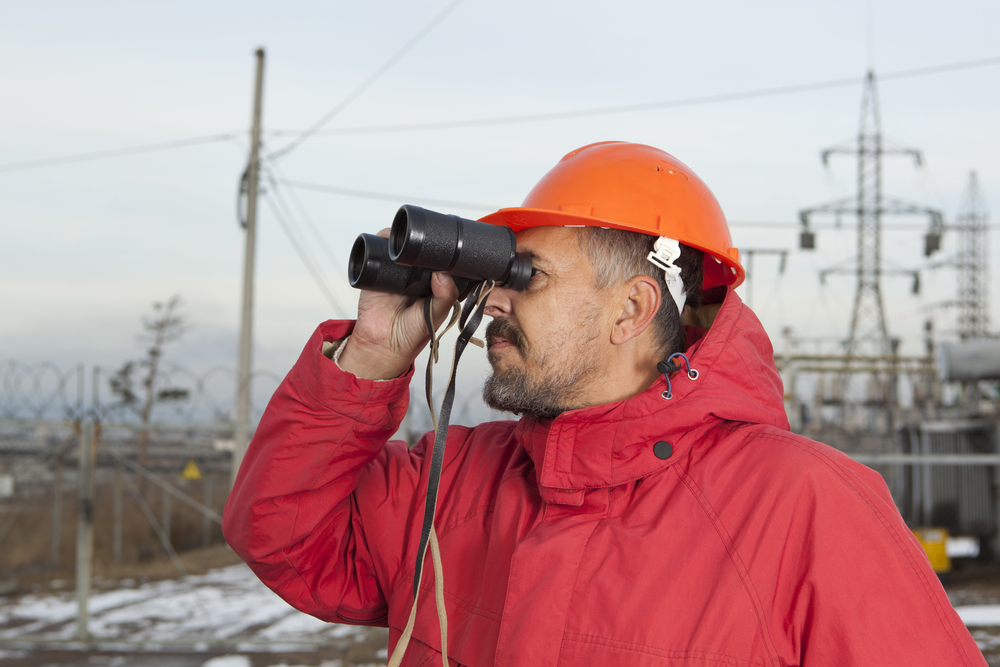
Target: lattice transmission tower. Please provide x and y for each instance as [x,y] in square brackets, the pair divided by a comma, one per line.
[868,334]
[973,264]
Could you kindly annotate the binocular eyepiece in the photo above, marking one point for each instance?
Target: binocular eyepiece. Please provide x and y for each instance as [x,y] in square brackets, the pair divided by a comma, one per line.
[422,241]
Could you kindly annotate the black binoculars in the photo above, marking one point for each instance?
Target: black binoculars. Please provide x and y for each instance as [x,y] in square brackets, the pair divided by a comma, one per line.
[421,242]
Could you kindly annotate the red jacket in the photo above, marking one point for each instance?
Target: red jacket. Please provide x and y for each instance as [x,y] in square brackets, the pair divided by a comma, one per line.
[570,542]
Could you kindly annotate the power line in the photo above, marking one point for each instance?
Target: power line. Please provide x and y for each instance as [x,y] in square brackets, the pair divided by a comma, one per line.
[938,69]
[383,196]
[643,106]
[898,227]
[119,152]
[309,221]
[442,125]
[397,198]
[629,108]
[295,143]
[304,256]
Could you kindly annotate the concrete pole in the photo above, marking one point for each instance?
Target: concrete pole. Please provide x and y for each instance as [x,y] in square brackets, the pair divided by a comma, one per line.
[57,507]
[996,495]
[116,537]
[85,528]
[241,415]
[926,497]
[57,495]
[165,515]
[206,500]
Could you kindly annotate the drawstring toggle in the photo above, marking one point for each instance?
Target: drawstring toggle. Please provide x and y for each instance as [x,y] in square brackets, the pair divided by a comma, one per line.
[669,366]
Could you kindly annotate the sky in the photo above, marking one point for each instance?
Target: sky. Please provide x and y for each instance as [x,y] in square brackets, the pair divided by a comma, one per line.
[88,246]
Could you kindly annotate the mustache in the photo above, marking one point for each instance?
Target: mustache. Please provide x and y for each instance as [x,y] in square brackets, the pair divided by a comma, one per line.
[501,327]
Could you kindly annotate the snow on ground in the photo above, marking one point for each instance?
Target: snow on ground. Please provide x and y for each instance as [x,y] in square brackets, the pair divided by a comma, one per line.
[230,607]
[980,615]
[228,661]
[222,606]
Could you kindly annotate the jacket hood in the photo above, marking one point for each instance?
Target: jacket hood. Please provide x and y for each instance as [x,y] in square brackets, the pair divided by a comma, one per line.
[611,444]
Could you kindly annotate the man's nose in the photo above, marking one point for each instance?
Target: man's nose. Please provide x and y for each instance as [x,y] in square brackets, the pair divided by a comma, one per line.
[498,302]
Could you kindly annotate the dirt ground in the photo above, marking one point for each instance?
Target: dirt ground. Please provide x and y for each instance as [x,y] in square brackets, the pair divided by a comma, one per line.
[367,653]
[107,573]
[26,548]
[369,650]
[975,584]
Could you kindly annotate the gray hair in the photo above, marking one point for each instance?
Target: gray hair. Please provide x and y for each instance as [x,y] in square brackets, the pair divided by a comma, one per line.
[619,255]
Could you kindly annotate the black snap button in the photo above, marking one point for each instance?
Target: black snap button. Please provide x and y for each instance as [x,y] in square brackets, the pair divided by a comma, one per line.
[663,449]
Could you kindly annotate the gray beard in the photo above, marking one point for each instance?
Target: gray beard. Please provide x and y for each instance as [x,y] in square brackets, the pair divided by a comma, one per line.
[513,391]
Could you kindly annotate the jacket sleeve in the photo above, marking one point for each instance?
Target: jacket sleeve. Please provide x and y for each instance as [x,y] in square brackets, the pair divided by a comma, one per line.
[315,471]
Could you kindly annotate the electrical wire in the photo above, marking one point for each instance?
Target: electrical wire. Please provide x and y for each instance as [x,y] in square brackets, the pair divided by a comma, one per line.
[449,203]
[119,152]
[582,113]
[939,69]
[480,122]
[897,227]
[644,106]
[383,196]
[303,254]
[295,143]
[309,221]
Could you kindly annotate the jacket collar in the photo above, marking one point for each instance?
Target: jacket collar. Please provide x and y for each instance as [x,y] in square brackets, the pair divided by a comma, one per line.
[612,444]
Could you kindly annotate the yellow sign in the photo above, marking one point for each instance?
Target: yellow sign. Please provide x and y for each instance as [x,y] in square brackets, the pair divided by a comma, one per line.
[191,471]
[935,541]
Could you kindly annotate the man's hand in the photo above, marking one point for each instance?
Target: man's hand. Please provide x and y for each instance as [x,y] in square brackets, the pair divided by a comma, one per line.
[391,330]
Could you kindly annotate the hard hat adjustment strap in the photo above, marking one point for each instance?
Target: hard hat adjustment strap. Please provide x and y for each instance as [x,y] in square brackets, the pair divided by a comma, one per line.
[665,252]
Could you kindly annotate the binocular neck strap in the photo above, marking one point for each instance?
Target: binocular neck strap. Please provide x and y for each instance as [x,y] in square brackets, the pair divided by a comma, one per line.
[469,320]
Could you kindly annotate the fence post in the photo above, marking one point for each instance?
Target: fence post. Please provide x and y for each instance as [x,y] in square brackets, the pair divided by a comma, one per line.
[926,493]
[995,550]
[57,507]
[85,528]
[206,523]
[116,542]
[165,515]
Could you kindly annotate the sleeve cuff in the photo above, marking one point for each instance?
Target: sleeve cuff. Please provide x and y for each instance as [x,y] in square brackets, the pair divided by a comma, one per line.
[332,349]
[330,386]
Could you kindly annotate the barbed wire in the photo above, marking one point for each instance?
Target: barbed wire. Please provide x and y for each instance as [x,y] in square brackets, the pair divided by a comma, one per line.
[43,391]
[40,391]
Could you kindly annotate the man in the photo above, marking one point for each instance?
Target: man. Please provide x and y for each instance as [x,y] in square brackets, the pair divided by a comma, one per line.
[636,514]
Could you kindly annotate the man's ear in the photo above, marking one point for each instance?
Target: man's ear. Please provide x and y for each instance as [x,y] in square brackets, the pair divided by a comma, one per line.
[639,306]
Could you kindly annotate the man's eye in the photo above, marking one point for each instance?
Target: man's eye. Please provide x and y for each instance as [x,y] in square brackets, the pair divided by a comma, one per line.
[535,272]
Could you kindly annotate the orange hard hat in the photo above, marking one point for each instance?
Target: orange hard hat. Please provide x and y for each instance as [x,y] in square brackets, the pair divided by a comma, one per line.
[635,187]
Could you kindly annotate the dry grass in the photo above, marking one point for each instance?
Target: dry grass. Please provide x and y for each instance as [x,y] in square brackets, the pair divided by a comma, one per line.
[25,554]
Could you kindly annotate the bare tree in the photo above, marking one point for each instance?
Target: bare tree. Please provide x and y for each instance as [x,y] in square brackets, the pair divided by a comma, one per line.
[164,326]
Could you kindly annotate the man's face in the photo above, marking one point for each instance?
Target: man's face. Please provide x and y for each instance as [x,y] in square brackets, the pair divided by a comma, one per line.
[546,344]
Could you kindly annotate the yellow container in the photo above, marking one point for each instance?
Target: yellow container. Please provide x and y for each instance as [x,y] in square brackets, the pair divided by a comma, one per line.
[934,541]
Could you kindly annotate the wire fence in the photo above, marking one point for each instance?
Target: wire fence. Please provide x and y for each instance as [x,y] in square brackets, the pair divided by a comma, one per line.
[43,391]
[87,486]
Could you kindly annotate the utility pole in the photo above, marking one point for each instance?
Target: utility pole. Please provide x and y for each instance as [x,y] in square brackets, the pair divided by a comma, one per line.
[241,414]
[868,334]
[973,265]
[85,528]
